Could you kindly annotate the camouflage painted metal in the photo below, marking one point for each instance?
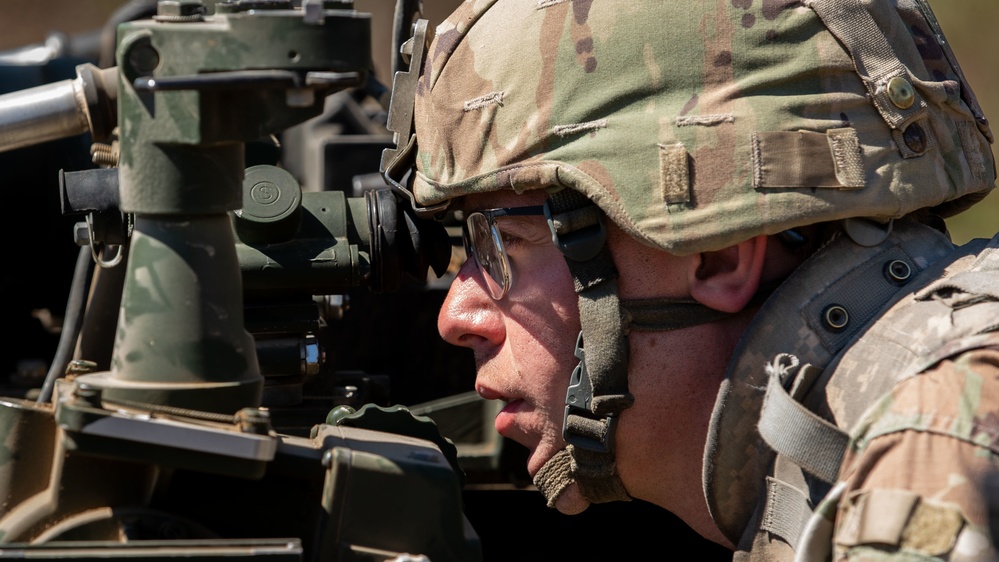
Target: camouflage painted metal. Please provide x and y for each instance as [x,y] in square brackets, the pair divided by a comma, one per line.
[696,125]
[175,452]
[193,88]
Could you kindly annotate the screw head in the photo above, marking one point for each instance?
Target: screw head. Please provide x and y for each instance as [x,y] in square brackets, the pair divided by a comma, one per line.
[901,93]
[183,8]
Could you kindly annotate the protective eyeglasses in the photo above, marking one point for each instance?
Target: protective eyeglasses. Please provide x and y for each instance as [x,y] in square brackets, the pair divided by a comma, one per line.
[484,242]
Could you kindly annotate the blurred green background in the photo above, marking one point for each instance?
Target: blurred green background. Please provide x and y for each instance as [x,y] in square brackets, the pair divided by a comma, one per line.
[971,26]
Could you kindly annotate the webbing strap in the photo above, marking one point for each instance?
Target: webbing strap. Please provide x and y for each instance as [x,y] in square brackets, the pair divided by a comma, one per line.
[786,512]
[606,345]
[784,159]
[589,423]
[811,442]
[815,539]
[873,56]
[656,315]
[554,476]
[595,280]
[597,479]
[664,314]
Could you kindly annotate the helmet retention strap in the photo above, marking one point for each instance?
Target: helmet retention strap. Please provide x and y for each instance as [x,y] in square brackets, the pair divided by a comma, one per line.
[598,390]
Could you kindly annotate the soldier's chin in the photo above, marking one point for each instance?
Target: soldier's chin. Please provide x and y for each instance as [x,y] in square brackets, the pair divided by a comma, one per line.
[571,502]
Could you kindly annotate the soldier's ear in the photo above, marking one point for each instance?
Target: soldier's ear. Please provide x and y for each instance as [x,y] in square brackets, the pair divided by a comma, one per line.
[726,280]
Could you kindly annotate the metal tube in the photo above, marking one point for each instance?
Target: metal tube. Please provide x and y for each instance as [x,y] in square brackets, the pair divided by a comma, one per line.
[43,113]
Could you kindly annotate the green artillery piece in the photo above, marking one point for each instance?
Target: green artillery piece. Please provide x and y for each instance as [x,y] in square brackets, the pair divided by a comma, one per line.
[166,448]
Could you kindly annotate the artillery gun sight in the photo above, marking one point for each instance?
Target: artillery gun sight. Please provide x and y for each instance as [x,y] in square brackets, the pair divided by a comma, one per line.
[174,420]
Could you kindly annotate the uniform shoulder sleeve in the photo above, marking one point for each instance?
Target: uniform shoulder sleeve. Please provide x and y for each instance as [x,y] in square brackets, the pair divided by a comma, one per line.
[915,469]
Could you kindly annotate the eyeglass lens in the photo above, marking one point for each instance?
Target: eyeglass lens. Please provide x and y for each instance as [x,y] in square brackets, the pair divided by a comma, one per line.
[485,244]
[487,247]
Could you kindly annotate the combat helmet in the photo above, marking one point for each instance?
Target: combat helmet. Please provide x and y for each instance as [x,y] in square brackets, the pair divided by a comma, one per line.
[693,126]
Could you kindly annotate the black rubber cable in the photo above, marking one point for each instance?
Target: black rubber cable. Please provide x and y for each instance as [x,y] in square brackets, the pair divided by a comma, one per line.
[72,323]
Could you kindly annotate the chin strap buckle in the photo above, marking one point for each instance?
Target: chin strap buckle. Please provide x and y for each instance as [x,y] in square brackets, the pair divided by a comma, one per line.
[581,428]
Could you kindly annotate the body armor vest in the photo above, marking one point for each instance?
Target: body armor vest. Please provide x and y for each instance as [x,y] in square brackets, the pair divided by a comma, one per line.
[874,307]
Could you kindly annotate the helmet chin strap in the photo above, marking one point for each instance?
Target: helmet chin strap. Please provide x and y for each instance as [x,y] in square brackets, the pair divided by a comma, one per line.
[588,459]
[555,476]
[598,389]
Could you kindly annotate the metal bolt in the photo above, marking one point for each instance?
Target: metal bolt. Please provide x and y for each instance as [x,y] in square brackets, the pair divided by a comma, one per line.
[254,420]
[80,367]
[180,8]
[344,395]
[87,395]
[104,155]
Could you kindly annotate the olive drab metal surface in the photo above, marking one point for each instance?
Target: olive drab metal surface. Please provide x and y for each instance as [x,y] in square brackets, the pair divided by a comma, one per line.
[159,433]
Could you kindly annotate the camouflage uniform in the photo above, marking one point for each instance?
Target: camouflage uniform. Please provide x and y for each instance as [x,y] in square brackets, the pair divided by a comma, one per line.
[697,125]
[909,391]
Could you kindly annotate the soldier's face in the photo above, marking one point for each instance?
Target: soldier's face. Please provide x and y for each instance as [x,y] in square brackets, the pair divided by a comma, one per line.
[524,351]
[523,343]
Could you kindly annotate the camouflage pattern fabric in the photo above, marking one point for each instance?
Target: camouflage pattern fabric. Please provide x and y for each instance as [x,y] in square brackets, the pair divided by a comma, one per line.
[924,453]
[696,125]
[922,450]
[736,458]
[915,383]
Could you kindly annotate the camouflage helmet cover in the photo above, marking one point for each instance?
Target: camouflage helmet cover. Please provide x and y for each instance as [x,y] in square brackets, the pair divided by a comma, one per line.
[696,125]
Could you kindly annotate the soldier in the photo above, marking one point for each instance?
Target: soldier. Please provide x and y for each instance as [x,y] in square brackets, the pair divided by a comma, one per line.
[709,268]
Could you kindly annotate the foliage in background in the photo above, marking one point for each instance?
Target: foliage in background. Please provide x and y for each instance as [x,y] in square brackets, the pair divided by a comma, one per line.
[970,26]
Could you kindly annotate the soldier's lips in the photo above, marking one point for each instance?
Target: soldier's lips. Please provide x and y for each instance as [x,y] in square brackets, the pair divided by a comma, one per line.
[505,422]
